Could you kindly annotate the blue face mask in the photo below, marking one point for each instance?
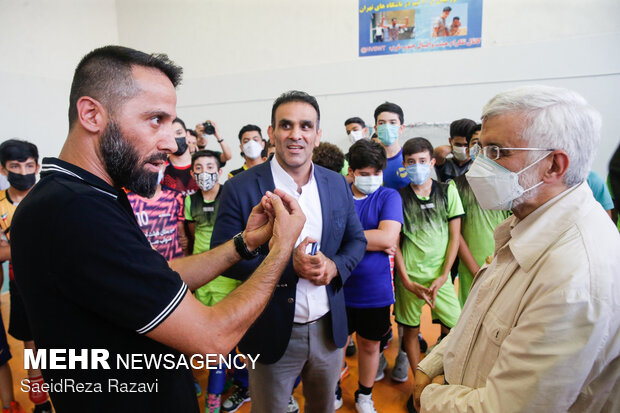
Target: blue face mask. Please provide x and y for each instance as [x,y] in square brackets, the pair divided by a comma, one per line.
[418,173]
[387,133]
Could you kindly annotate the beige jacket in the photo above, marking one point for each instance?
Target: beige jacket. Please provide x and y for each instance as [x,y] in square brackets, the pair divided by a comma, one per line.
[540,331]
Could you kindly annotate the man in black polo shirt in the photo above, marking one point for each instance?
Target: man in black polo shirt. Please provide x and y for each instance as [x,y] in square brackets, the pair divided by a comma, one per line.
[90,279]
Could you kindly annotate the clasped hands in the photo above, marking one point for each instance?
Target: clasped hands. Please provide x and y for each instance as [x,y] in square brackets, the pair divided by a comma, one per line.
[277,218]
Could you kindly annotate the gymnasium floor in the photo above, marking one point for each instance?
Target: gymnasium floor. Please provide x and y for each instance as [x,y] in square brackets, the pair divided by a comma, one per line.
[389,396]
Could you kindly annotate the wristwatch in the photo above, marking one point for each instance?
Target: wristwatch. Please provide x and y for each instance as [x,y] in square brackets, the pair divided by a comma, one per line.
[220,140]
[242,248]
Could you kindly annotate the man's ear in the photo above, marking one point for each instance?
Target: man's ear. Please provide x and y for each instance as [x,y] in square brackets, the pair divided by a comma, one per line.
[3,171]
[318,138]
[220,172]
[558,167]
[92,115]
[270,134]
[432,163]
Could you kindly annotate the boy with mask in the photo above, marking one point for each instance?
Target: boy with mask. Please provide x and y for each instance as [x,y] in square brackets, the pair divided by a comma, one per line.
[19,162]
[429,244]
[449,167]
[389,124]
[177,174]
[162,219]
[252,146]
[200,212]
[477,227]
[368,292]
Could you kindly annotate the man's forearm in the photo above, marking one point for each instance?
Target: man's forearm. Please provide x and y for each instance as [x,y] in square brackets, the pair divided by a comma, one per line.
[243,305]
[197,270]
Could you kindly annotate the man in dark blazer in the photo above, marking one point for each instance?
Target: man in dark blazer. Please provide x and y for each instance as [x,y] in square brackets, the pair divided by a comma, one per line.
[304,325]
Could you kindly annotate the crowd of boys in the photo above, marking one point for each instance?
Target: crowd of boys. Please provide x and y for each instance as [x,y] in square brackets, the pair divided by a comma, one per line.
[381,238]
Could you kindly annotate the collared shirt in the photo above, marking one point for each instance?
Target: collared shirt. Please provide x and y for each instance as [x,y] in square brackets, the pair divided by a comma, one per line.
[540,328]
[311,300]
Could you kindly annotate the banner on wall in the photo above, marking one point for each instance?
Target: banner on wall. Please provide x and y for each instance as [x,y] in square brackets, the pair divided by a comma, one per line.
[393,27]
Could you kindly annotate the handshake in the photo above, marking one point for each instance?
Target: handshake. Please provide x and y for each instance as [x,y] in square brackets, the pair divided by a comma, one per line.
[277,219]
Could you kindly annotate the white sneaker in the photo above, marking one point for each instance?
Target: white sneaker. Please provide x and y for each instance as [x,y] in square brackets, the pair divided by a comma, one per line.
[293,406]
[364,403]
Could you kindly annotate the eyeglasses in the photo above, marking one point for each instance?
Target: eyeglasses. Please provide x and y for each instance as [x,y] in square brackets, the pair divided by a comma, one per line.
[494,152]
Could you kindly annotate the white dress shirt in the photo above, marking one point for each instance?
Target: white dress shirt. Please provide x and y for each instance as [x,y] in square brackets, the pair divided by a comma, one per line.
[311,302]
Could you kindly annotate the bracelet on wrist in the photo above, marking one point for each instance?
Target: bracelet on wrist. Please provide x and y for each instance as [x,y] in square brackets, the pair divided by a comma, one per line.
[242,248]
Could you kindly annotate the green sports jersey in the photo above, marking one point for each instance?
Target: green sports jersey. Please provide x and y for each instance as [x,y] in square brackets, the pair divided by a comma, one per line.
[477,227]
[425,231]
[203,215]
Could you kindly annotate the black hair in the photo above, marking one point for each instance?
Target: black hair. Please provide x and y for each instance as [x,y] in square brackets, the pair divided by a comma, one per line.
[470,134]
[295,96]
[328,156]
[365,153]
[193,133]
[16,150]
[178,120]
[447,8]
[207,153]
[417,145]
[456,18]
[105,74]
[355,119]
[248,128]
[392,108]
[461,127]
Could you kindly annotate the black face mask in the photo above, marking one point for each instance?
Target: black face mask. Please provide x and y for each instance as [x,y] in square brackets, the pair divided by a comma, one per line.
[21,182]
[182,144]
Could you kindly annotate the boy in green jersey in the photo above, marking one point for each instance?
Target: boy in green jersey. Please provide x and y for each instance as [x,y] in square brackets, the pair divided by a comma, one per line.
[477,227]
[429,241]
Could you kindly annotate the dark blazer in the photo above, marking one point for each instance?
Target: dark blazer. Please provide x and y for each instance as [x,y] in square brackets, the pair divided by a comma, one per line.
[342,241]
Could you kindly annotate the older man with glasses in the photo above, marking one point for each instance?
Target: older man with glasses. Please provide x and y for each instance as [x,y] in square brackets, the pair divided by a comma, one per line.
[539,330]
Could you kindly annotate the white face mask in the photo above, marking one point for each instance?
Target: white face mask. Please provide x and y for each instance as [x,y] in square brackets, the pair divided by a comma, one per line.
[494,186]
[460,153]
[206,180]
[368,184]
[252,149]
[160,176]
[356,135]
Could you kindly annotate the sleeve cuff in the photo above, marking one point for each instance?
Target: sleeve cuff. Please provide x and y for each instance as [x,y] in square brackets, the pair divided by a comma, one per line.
[165,312]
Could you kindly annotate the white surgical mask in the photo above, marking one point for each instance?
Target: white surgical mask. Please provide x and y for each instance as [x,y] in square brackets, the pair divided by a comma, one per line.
[494,186]
[460,153]
[206,180]
[252,149]
[356,135]
[368,184]
[418,173]
[160,176]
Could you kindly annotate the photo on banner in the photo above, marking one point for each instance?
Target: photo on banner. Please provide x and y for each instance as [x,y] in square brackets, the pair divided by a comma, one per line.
[418,26]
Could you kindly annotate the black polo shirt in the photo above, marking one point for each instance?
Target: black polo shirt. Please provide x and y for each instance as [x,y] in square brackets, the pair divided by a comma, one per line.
[90,280]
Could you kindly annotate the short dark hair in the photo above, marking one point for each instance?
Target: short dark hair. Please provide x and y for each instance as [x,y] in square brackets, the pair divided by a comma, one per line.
[248,128]
[355,119]
[178,120]
[365,153]
[192,132]
[470,134]
[417,145]
[105,74]
[461,127]
[295,96]
[456,18]
[447,8]
[17,150]
[206,153]
[392,108]
[328,156]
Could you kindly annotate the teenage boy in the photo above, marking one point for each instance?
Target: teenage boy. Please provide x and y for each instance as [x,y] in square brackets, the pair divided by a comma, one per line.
[252,145]
[19,162]
[177,174]
[429,243]
[477,227]
[389,124]
[369,292]
[449,167]
[200,211]
[161,218]
[356,130]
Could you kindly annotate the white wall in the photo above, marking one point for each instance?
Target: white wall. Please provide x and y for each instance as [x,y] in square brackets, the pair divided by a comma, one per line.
[41,42]
[239,55]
